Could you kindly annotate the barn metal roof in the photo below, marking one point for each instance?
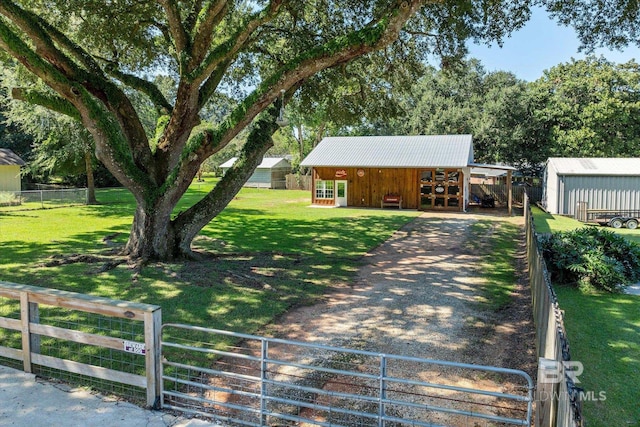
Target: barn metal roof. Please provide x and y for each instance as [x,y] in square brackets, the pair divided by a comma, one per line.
[9,158]
[595,165]
[393,151]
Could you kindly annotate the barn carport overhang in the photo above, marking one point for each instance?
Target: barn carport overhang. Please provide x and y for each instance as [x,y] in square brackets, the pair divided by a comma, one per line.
[509,170]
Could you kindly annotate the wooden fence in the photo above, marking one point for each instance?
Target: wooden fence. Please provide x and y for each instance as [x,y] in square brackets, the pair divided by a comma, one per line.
[558,398]
[102,331]
[298,182]
[500,194]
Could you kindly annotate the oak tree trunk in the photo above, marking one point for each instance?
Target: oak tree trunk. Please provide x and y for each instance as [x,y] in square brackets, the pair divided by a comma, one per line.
[155,235]
[91,186]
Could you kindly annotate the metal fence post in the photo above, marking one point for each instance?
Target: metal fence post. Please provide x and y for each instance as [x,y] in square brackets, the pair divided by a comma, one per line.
[264,355]
[34,317]
[383,390]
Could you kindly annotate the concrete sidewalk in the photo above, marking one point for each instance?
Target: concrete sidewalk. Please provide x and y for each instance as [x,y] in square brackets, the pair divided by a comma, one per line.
[29,402]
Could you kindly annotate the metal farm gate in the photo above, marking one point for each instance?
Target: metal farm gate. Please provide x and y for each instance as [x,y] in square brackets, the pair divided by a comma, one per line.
[249,380]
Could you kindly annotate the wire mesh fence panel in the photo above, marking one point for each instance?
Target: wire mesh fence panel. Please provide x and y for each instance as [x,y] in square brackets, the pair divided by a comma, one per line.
[248,380]
[106,344]
[94,355]
[10,339]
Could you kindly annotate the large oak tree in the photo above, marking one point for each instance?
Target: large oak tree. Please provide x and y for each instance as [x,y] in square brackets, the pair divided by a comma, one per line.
[92,53]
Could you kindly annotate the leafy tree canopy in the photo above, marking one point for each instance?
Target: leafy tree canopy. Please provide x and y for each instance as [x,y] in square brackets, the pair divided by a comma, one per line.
[492,106]
[612,23]
[590,108]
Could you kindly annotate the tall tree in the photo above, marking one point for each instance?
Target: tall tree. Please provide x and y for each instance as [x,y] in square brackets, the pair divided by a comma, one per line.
[494,107]
[87,51]
[60,145]
[590,107]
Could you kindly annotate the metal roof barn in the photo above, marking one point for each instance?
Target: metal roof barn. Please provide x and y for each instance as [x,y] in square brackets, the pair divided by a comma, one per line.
[601,183]
[415,172]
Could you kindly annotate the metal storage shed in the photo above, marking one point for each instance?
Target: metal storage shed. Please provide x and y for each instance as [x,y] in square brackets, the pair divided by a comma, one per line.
[271,173]
[601,183]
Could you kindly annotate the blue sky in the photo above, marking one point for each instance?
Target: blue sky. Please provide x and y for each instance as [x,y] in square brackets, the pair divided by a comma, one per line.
[538,46]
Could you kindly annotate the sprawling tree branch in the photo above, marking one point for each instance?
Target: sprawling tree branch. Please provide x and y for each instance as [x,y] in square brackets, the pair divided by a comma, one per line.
[326,56]
[191,221]
[151,90]
[177,30]
[204,28]
[28,23]
[220,57]
[48,101]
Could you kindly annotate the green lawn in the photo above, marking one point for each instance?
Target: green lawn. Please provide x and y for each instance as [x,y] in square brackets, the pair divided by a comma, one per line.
[272,251]
[604,334]
[497,264]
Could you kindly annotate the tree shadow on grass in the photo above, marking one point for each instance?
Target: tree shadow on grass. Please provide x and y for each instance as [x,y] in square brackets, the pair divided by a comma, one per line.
[252,269]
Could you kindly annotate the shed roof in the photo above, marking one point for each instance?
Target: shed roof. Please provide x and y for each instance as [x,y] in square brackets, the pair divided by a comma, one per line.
[267,163]
[595,165]
[393,151]
[9,158]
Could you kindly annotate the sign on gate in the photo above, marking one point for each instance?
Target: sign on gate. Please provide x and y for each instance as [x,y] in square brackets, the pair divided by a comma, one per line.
[134,347]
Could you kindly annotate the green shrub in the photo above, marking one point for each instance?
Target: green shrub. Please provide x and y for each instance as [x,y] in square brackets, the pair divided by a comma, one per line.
[591,257]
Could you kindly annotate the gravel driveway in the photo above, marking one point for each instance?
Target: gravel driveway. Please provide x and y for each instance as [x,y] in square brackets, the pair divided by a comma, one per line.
[415,296]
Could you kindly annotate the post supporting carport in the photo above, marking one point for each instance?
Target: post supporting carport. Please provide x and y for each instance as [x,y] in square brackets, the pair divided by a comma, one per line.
[509,192]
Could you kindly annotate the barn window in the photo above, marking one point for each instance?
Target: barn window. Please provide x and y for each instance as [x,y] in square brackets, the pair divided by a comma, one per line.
[324,189]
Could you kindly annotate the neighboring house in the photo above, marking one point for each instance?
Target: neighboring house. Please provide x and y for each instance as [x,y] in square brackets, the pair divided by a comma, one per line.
[10,164]
[601,183]
[271,173]
[426,171]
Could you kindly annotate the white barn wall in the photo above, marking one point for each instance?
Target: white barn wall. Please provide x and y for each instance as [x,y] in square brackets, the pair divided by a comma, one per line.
[261,178]
[271,173]
[551,184]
